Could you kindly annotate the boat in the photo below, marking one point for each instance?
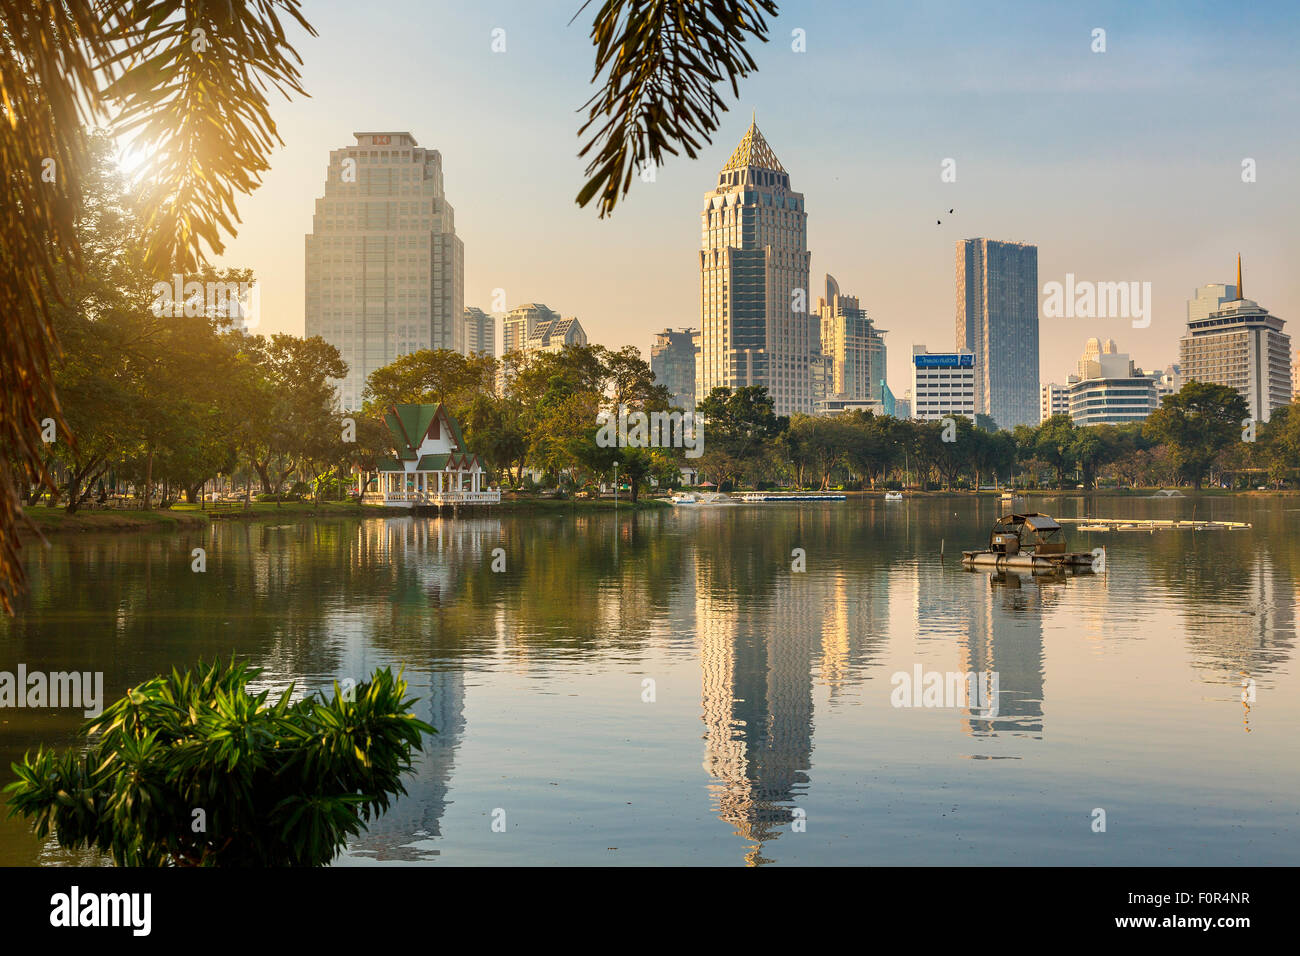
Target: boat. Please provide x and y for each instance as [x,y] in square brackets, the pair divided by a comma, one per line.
[685,498]
[893,496]
[1033,541]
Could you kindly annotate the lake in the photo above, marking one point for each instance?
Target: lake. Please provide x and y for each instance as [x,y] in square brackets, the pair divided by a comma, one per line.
[662,687]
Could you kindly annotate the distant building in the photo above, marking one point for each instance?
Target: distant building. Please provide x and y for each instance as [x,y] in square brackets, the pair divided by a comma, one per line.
[385,269]
[672,359]
[1093,350]
[1116,394]
[480,332]
[1209,299]
[852,343]
[943,384]
[997,322]
[887,401]
[519,323]
[1168,382]
[837,406]
[1241,345]
[903,406]
[1053,399]
[554,334]
[756,323]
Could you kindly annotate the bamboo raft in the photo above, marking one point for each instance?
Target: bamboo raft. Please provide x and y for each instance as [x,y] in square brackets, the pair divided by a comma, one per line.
[1149,524]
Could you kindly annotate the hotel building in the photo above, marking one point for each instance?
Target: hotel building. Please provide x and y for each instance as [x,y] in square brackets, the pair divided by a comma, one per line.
[1242,345]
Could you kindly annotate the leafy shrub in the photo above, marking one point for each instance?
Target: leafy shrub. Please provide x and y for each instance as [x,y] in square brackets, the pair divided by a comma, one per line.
[283,784]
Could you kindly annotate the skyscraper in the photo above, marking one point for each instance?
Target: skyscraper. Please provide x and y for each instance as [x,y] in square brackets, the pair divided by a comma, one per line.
[852,342]
[385,269]
[756,325]
[672,359]
[480,332]
[997,320]
[1241,345]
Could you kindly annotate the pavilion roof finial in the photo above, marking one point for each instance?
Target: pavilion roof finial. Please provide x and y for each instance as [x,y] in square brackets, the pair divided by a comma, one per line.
[1240,294]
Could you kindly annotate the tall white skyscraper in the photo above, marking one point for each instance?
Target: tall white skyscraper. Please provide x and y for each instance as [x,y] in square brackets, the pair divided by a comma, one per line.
[997,320]
[385,269]
[756,324]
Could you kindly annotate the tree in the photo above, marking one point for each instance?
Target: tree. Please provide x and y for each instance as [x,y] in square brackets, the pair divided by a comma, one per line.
[69,65]
[665,60]
[431,376]
[1197,424]
[279,784]
[739,426]
[1053,443]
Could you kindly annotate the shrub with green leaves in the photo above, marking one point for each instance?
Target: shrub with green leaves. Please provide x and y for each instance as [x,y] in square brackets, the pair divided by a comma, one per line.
[193,770]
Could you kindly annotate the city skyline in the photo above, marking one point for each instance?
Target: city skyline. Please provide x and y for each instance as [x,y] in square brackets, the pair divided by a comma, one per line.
[1081,169]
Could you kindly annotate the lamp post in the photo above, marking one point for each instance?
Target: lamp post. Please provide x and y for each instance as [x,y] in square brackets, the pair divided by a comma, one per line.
[615,482]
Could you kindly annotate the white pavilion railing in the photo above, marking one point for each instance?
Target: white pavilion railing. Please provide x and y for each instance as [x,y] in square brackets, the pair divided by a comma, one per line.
[491,497]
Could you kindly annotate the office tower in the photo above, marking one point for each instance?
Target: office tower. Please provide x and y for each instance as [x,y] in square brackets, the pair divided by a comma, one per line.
[672,359]
[943,383]
[1053,399]
[903,406]
[1209,299]
[1243,346]
[480,332]
[385,269]
[850,340]
[756,324]
[997,321]
[1113,391]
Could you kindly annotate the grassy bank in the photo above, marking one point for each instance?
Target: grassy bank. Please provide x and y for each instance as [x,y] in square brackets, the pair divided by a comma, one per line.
[56,520]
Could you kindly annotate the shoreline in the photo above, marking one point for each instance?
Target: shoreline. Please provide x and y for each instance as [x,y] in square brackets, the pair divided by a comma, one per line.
[53,521]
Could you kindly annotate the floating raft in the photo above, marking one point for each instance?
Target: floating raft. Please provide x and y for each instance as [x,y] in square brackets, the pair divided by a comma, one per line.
[1143,524]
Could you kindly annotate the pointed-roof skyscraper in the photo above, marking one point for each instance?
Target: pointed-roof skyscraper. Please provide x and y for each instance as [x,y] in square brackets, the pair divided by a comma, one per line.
[756,326]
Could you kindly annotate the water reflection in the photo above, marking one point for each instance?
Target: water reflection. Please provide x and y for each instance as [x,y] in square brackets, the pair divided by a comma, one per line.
[777,664]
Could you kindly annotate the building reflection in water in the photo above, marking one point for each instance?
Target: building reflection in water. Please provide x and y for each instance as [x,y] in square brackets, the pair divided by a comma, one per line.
[1004,635]
[759,648]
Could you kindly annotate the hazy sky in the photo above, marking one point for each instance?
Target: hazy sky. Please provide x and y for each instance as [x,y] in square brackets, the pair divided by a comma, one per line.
[1123,165]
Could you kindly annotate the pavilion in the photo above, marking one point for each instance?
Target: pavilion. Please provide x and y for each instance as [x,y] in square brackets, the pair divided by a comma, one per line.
[430,464]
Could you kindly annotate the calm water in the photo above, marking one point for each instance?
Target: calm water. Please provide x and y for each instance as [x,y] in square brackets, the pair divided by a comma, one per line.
[769,735]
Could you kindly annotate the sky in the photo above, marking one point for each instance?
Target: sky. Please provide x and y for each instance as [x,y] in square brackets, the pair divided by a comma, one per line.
[1120,166]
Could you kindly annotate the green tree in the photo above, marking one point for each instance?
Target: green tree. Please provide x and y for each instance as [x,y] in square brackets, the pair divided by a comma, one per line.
[280,784]
[738,428]
[1196,425]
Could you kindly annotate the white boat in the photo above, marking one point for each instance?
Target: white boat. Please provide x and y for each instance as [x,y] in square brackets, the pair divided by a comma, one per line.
[685,498]
[893,496]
